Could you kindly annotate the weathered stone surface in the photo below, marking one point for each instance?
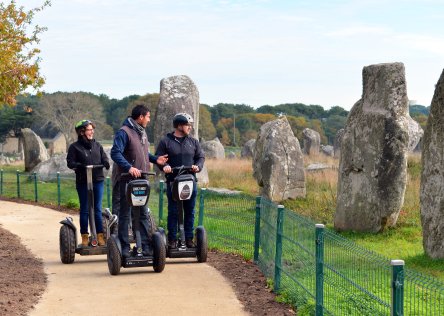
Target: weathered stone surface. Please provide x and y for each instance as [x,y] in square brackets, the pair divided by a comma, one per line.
[202,177]
[213,149]
[35,151]
[231,155]
[278,164]
[57,145]
[432,176]
[415,133]
[327,150]
[338,142]
[177,94]
[373,163]
[312,141]
[248,149]
[318,167]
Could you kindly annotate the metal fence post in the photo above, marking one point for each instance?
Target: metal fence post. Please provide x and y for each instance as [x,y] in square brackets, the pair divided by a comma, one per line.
[397,287]
[278,256]
[36,195]
[201,206]
[319,269]
[108,193]
[257,229]
[18,184]
[161,193]
[58,188]
[1,182]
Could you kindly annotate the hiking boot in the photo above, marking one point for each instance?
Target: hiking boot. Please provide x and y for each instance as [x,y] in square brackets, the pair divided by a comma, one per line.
[85,240]
[101,239]
[172,244]
[189,243]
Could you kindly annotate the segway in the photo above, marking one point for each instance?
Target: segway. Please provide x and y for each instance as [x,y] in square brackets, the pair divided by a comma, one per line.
[137,194]
[182,190]
[68,231]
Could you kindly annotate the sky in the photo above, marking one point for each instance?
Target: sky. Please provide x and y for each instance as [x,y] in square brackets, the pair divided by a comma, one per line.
[245,52]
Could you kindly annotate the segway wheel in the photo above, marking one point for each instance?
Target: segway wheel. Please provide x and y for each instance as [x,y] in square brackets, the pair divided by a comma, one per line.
[67,240]
[113,257]
[159,252]
[202,244]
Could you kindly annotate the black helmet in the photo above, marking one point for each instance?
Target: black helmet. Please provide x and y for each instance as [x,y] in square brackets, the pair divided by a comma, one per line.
[82,124]
[181,119]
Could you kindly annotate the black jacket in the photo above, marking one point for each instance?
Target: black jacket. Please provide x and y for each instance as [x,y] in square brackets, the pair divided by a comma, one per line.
[83,153]
[180,153]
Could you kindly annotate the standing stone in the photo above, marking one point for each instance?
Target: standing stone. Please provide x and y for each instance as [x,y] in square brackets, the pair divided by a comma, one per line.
[248,149]
[312,141]
[432,176]
[338,142]
[35,151]
[177,94]
[327,150]
[373,164]
[278,164]
[415,133]
[213,149]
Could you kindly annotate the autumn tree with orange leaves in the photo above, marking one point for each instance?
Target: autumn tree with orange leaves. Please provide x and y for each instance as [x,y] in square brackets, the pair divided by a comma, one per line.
[19,56]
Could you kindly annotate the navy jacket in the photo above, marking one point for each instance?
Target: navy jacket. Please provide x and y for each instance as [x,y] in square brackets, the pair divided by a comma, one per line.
[180,153]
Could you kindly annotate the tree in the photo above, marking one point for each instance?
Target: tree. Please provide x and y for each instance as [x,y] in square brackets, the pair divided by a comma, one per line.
[13,120]
[63,110]
[19,62]
[206,127]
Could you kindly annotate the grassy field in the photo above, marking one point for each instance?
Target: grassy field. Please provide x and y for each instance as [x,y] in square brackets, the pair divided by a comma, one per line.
[401,242]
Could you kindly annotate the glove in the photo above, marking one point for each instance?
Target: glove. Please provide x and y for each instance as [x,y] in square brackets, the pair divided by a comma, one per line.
[106,165]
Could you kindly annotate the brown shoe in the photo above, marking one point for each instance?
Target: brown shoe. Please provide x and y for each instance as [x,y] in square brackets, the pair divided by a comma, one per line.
[101,239]
[189,243]
[85,240]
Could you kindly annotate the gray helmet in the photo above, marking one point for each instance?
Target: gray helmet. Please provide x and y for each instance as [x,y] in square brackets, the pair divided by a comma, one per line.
[181,119]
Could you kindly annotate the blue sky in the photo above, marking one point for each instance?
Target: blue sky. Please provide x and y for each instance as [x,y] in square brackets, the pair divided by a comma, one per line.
[251,52]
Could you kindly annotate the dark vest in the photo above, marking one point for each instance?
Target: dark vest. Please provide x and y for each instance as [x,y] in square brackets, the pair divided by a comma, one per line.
[135,152]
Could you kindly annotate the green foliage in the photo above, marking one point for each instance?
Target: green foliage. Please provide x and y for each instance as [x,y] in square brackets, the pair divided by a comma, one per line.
[72,203]
[13,119]
[206,126]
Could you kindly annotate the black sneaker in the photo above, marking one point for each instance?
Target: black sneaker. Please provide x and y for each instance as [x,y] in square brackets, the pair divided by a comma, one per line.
[126,253]
[172,244]
[189,243]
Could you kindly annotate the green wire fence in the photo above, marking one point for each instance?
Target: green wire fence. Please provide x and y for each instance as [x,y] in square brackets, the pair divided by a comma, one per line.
[317,270]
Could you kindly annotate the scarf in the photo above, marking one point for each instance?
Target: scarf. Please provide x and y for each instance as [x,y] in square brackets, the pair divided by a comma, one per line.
[139,129]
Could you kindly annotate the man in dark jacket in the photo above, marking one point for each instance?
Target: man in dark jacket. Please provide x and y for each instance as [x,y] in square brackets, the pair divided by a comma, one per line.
[182,150]
[130,153]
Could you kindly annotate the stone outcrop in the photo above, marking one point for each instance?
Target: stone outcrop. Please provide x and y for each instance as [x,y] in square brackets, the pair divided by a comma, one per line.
[415,133]
[57,145]
[312,141]
[338,142]
[373,164]
[202,177]
[177,94]
[432,176]
[47,170]
[278,164]
[34,149]
[248,149]
[327,150]
[213,149]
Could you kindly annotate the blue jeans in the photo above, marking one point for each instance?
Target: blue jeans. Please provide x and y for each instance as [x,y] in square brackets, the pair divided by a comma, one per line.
[173,214]
[82,191]
[124,216]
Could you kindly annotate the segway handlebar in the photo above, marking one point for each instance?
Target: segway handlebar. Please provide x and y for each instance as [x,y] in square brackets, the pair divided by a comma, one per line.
[183,168]
[143,175]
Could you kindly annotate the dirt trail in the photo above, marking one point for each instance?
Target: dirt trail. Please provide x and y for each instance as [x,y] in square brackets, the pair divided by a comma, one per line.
[86,287]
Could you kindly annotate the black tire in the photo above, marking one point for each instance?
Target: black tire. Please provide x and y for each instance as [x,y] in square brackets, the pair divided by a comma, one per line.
[113,257]
[202,244]
[164,238]
[67,240]
[159,252]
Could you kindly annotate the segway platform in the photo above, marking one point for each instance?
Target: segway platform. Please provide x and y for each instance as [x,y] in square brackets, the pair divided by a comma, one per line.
[138,261]
[181,252]
[89,251]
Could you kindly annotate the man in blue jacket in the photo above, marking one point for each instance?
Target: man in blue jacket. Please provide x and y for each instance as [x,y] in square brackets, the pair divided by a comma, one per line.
[130,152]
[182,150]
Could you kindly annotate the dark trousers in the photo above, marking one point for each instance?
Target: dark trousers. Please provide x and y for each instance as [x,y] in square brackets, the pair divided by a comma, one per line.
[173,214]
[82,191]
[115,200]
[124,218]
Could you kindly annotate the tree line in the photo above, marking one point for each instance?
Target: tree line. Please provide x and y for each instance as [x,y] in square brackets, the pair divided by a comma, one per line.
[233,124]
